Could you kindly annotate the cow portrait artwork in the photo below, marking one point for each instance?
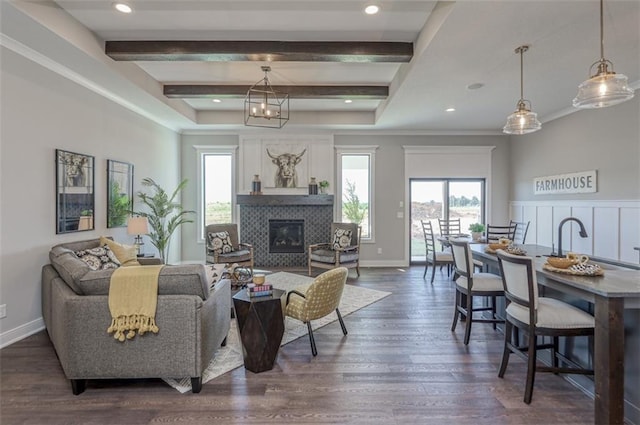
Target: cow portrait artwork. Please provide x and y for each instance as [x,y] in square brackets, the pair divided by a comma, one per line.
[286,175]
[74,168]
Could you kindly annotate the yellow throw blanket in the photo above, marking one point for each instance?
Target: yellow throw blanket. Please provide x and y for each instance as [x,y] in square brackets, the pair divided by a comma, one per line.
[133,297]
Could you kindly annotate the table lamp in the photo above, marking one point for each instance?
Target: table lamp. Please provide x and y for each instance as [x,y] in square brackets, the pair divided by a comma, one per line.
[138,226]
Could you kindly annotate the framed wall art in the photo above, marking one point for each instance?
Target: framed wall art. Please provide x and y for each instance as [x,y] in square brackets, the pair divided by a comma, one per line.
[75,194]
[119,192]
[285,165]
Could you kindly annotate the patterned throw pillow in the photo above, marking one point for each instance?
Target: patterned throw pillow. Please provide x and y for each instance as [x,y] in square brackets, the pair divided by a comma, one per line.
[101,258]
[341,238]
[220,242]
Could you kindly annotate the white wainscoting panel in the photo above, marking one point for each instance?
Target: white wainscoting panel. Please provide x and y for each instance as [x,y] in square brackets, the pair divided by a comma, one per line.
[613,227]
[629,234]
[544,226]
[607,235]
[578,244]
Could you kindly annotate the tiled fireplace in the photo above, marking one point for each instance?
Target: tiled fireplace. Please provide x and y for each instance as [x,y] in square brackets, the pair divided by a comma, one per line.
[295,221]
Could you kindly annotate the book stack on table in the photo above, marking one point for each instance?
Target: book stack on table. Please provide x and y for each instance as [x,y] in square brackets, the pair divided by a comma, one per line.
[262,290]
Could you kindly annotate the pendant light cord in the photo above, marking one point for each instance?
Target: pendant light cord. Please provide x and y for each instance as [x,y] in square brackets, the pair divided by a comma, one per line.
[602,30]
[521,72]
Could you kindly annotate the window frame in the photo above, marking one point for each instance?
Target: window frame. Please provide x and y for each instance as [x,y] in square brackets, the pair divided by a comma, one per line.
[364,150]
[201,152]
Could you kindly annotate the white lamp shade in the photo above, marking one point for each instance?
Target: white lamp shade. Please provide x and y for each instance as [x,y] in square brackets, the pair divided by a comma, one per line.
[138,226]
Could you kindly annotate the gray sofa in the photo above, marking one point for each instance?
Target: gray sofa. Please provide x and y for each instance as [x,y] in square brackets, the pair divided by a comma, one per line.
[193,322]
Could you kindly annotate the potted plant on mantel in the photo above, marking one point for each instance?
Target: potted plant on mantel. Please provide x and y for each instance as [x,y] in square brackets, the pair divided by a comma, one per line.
[165,214]
[476,230]
[323,185]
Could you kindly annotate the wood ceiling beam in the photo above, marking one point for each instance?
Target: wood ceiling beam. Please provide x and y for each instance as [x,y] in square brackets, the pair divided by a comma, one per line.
[262,51]
[295,92]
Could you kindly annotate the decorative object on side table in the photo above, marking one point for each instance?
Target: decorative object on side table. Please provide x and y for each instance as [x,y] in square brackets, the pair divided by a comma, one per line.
[138,226]
[476,231]
[256,185]
[165,216]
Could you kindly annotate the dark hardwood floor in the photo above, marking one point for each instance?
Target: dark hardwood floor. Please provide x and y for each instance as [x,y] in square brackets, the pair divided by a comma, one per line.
[399,364]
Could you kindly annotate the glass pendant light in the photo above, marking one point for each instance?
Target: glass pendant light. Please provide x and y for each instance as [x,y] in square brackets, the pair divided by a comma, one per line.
[605,87]
[522,121]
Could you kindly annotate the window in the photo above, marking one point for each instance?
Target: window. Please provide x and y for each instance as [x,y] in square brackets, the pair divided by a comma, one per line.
[216,186]
[355,201]
[450,199]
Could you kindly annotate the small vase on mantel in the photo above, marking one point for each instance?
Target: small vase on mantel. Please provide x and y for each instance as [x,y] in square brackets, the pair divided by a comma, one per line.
[313,186]
[256,185]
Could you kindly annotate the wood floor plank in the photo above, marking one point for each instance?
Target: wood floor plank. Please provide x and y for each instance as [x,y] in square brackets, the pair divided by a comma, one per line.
[400,364]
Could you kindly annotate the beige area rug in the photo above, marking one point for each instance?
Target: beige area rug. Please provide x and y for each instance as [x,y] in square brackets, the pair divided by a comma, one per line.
[230,357]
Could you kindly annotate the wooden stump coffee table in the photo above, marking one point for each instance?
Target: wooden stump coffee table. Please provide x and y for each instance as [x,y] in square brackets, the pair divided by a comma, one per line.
[260,323]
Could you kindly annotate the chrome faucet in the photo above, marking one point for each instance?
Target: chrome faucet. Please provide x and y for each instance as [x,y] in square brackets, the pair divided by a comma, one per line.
[583,232]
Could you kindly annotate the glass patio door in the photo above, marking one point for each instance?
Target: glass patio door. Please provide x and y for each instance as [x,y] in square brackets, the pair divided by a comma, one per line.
[450,198]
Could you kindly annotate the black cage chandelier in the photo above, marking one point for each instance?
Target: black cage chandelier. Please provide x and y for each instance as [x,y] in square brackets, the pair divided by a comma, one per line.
[264,107]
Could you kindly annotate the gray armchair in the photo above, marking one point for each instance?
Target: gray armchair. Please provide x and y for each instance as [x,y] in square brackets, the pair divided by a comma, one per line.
[220,249]
[342,251]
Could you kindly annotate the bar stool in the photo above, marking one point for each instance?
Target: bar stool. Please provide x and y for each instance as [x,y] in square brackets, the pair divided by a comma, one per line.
[537,316]
[469,285]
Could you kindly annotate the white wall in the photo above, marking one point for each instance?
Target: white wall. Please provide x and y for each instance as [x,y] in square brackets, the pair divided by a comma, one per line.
[606,140]
[41,111]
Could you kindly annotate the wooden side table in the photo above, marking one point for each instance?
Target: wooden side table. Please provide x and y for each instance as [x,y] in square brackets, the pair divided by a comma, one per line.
[261,327]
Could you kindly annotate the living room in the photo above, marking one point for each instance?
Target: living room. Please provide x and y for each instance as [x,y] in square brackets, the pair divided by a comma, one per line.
[47,107]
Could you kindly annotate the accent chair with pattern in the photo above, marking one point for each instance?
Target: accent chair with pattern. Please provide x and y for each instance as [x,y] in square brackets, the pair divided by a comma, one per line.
[342,251]
[317,299]
[223,246]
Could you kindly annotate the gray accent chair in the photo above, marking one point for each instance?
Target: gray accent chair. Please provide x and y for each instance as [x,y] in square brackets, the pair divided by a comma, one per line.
[192,318]
[324,256]
[242,253]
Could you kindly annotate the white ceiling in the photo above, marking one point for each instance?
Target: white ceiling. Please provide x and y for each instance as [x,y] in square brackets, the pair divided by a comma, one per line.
[455,44]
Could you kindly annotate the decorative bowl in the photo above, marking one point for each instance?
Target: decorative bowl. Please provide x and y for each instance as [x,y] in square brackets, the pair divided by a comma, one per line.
[497,246]
[561,263]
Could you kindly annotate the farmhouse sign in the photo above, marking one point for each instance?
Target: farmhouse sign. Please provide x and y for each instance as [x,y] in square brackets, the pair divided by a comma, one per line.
[582,182]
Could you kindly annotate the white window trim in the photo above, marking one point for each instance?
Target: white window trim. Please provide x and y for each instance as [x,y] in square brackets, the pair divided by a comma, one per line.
[201,151]
[358,150]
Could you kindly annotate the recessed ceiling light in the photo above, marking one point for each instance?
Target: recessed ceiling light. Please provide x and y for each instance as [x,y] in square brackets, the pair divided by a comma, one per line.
[450,109]
[371,10]
[475,86]
[216,101]
[348,101]
[123,7]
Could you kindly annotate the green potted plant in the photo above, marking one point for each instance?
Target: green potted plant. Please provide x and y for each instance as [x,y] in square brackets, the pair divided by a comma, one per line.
[323,185]
[476,230]
[165,214]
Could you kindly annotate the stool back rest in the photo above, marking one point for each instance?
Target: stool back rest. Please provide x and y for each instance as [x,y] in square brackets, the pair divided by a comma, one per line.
[522,228]
[462,257]
[495,233]
[449,227]
[429,238]
[324,294]
[519,280]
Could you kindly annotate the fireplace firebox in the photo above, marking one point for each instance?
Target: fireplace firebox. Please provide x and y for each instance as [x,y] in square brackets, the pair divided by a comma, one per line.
[286,236]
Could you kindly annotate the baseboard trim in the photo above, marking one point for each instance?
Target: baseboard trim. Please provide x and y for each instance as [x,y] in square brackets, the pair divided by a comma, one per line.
[384,263]
[21,332]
